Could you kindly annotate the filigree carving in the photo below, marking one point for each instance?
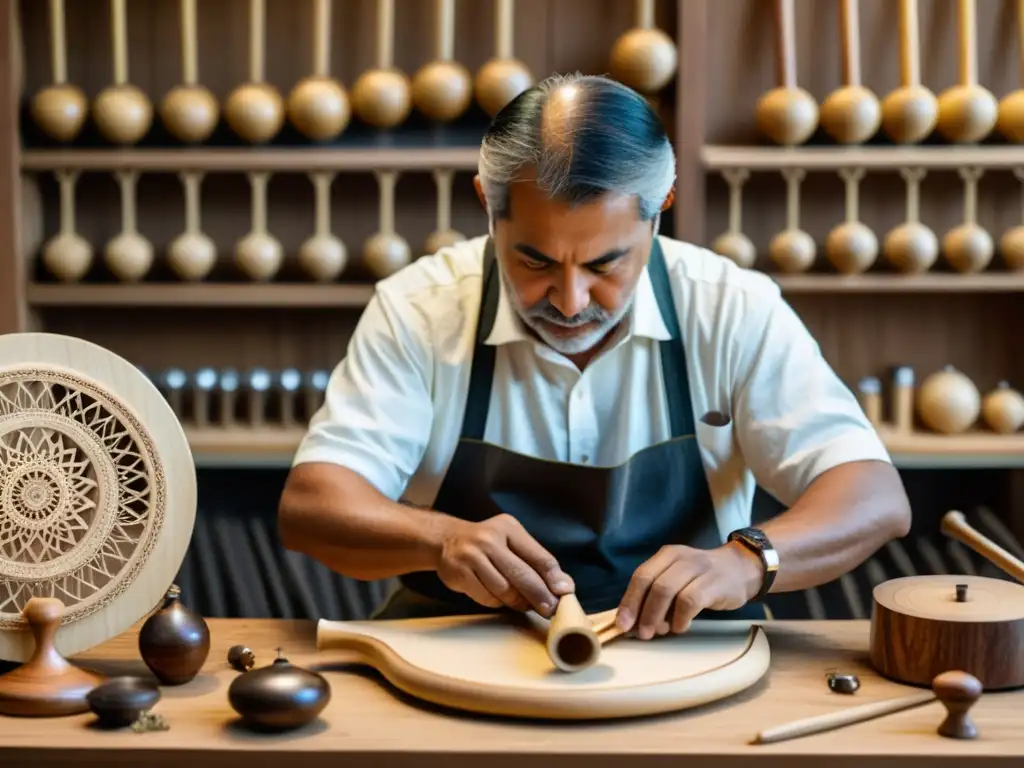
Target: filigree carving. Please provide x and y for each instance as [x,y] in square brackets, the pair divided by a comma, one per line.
[82,493]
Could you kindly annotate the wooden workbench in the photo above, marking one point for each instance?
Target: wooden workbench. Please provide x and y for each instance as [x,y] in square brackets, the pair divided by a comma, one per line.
[368,723]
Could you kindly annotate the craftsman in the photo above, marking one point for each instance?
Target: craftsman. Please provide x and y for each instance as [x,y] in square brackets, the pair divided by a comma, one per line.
[576,403]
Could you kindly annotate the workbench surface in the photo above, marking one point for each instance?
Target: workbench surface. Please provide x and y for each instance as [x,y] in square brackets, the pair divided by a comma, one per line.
[369,723]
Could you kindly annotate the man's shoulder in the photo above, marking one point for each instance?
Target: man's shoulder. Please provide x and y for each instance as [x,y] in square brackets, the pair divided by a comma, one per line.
[705,275]
[439,283]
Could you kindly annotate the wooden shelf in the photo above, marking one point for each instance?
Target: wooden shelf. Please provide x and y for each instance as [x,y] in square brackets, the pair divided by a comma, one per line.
[320,296]
[296,295]
[242,159]
[973,450]
[889,158]
[275,447]
[983,282]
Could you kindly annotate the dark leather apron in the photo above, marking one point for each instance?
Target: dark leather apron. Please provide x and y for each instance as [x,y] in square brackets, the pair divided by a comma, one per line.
[600,523]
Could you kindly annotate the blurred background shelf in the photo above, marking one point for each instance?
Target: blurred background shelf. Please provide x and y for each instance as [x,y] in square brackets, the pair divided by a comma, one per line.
[983,282]
[292,295]
[886,158]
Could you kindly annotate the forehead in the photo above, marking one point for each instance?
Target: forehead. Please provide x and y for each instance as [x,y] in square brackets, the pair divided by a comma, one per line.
[532,213]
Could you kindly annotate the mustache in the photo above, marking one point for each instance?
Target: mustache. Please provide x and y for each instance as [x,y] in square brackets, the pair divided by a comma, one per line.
[547,311]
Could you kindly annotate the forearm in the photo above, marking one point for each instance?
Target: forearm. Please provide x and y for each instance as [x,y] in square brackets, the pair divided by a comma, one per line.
[845,515]
[336,517]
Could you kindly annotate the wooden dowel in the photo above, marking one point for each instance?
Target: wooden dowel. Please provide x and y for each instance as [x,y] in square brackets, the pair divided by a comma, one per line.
[119,34]
[321,37]
[257,24]
[445,44]
[910,55]
[385,33]
[956,527]
[504,20]
[786,50]
[189,56]
[833,720]
[58,42]
[850,35]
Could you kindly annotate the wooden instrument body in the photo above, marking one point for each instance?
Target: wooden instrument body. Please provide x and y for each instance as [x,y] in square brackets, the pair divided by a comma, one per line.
[499,665]
[919,630]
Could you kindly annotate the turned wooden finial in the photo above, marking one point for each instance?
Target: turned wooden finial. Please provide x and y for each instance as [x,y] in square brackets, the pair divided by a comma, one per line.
[958,691]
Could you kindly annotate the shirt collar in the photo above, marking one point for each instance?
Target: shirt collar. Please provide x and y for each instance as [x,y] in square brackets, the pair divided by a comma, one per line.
[646,319]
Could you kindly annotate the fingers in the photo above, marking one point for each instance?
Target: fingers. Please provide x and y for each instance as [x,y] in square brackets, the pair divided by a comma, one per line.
[696,596]
[525,581]
[542,562]
[639,585]
[497,585]
[468,583]
[665,590]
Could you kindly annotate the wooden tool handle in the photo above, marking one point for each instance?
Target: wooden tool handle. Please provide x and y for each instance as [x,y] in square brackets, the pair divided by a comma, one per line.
[572,642]
[58,43]
[832,720]
[910,56]
[850,30]
[955,525]
[785,50]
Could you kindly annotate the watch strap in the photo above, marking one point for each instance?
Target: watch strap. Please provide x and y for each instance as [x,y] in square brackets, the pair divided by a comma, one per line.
[755,540]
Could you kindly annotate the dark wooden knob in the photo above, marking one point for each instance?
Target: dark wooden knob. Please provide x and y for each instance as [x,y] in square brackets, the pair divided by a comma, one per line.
[957,691]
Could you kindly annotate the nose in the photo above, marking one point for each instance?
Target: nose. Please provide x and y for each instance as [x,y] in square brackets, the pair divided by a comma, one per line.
[571,294]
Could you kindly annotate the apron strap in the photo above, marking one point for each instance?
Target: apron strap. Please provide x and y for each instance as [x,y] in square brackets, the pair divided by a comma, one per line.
[673,351]
[481,375]
[673,355]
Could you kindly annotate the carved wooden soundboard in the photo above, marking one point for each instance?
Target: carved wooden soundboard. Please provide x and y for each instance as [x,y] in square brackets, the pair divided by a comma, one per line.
[500,666]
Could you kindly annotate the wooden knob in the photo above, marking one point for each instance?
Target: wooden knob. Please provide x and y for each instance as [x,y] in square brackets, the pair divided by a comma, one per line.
[958,691]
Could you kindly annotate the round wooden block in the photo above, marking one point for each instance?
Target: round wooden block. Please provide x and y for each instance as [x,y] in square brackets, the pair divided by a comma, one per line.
[97,488]
[922,626]
[499,665]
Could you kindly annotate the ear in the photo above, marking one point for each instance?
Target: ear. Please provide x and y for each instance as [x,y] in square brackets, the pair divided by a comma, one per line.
[669,199]
[479,187]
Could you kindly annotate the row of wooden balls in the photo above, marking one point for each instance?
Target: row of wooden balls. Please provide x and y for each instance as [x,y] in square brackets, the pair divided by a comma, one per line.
[319,107]
[950,403]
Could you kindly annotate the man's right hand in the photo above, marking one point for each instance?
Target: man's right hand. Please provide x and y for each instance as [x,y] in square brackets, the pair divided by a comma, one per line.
[496,562]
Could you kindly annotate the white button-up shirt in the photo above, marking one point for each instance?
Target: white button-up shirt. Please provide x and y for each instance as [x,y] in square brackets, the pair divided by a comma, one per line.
[394,405]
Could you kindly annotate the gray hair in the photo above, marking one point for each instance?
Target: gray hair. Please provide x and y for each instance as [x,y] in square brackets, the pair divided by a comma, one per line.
[614,144]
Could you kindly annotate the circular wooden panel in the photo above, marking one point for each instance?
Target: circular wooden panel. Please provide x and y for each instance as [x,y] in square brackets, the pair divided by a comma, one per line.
[97,490]
[493,665]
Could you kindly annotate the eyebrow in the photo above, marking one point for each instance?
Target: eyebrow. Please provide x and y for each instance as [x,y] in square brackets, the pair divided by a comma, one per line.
[600,261]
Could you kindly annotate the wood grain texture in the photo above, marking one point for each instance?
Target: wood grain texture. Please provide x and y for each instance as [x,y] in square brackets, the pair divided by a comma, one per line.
[920,629]
[367,723]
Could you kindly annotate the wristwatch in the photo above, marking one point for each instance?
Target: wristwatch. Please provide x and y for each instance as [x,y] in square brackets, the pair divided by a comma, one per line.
[755,540]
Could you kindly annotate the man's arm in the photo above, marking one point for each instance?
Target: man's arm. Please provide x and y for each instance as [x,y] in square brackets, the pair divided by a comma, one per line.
[807,442]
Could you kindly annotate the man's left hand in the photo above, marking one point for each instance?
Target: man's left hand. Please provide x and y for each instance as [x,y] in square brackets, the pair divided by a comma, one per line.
[671,588]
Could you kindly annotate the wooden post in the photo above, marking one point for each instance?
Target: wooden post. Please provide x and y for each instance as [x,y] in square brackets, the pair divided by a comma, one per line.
[691,118]
[13,316]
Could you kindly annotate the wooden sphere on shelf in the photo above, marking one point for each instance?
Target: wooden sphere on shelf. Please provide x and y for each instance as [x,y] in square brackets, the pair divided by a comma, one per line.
[382,97]
[968,248]
[443,238]
[909,114]
[737,247]
[851,248]
[323,257]
[911,247]
[442,90]
[851,115]
[1011,245]
[967,113]
[1010,122]
[787,116]
[129,257]
[60,111]
[259,256]
[644,59]
[255,111]
[948,401]
[319,108]
[793,250]
[191,256]
[122,113]
[1003,409]
[498,82]
[190,112]
[385,254]
[68,257]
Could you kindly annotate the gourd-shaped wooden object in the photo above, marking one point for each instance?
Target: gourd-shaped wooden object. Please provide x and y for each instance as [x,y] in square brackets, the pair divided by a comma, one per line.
[644,57]
[255,110]
[851,114]
[444,235]
[852,247]
[189,110]
[259,254]
[733,244]
[793,249]
[279,697]
[787,114]
[968,111]
[122,112]
[192,254]
[442,89]
[382,96]
[912,246]
[948,401]
[175,641]
[323,256]
[1011,244]
[502,77]
[909,113]
[67,255]
[386,251]
[318,106]
[129,255]
[1002,409]
[60,108]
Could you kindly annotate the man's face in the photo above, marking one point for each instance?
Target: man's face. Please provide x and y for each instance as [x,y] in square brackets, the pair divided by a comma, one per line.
[571,272]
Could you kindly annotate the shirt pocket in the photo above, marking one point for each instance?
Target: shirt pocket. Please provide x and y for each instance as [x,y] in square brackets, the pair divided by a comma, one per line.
[716,437]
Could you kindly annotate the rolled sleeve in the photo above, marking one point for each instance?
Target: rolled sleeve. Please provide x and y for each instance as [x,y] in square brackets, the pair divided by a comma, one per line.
[378,410]
[794,416]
